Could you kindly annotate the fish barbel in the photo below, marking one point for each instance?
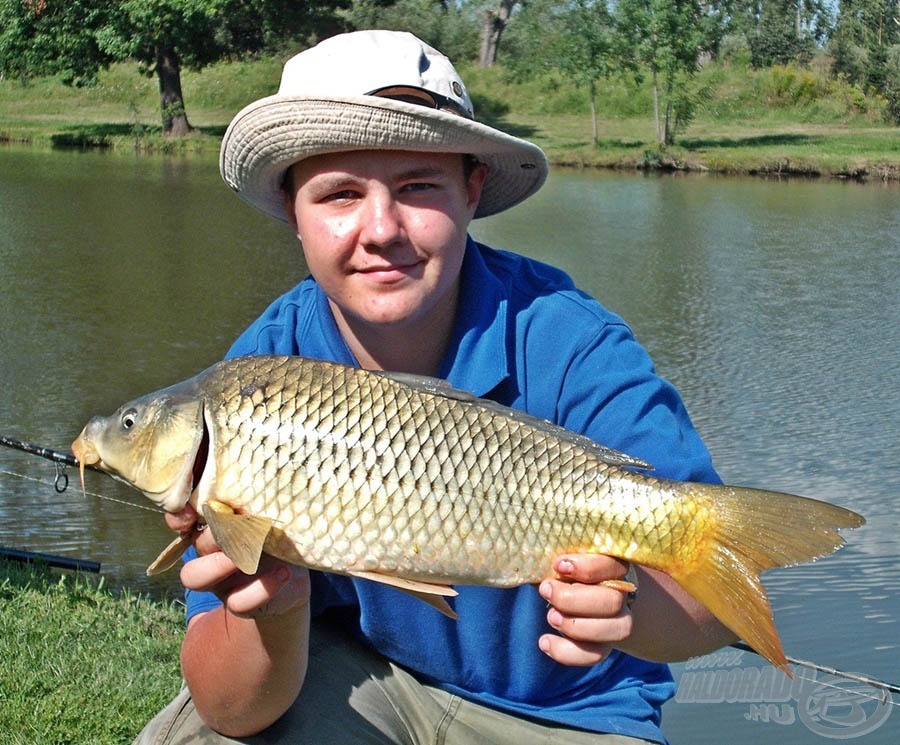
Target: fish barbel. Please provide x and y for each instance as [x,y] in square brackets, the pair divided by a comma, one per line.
[402,479]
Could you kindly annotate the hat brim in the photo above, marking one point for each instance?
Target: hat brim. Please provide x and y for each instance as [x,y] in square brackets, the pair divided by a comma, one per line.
[265,138]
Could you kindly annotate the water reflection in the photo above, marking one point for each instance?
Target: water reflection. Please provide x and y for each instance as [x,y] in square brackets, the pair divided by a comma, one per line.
[772,306]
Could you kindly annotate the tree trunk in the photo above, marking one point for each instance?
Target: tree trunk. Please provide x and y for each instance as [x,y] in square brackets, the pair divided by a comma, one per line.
[493,22]
[168,71]
[659,134]
[668,135]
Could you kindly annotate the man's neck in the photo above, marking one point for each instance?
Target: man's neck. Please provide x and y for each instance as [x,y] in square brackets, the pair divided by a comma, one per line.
[413,347]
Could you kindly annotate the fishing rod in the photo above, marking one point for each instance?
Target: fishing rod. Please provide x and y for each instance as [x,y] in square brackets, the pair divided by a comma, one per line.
[61,459]
[886,688]
[55,455]
[70,460]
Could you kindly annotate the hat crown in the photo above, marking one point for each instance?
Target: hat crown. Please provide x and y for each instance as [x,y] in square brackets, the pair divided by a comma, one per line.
[356,63]
[354,92]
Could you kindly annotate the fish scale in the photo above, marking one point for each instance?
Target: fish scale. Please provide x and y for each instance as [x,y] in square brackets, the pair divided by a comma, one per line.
[403,480]
[343,469]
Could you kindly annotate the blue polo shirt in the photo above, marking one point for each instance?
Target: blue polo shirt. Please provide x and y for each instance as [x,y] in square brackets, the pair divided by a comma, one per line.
[526,337]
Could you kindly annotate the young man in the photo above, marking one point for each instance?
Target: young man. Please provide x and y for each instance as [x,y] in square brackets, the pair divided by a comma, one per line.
[370,150]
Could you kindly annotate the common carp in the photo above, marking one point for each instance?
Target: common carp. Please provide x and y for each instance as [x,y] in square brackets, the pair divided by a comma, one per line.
[404,480]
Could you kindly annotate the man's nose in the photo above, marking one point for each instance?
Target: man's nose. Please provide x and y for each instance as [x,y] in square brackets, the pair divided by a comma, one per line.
[382,220]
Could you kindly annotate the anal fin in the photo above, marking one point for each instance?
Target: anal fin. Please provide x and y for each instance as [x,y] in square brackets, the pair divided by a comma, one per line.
[428,593]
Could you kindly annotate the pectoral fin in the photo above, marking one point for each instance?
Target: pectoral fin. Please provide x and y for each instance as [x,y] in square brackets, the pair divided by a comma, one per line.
[241,537]
[426,592]
[171,553]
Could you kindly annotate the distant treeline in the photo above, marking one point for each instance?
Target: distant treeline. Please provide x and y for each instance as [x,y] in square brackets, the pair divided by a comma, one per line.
[584,41]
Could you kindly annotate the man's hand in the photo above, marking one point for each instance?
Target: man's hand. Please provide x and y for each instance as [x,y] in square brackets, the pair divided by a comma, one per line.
[591,618]
[275,589]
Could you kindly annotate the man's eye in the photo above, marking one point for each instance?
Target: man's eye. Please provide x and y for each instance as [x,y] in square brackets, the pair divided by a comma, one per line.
[419,186]
[339,196]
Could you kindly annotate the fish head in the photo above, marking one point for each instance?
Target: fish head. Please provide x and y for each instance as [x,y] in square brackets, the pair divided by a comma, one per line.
[151,443]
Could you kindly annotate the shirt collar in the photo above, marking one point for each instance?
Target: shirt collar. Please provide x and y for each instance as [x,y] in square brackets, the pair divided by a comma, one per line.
[476,359]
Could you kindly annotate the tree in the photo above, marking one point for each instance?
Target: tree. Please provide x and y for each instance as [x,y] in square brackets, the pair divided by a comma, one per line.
[866,33]
[892,83]
[780,31]
[164,35]
[493,23]
[573,38]
[78,38]
[666,38]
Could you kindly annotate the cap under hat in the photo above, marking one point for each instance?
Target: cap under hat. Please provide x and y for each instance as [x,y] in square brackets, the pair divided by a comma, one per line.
[370,90]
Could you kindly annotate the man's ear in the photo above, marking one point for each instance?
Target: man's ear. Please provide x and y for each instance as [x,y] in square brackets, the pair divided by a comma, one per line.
[475,183]
[288,193]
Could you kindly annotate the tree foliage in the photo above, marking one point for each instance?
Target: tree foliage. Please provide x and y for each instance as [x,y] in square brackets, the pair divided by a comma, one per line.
[78,38]
[587,41]
[448,26]
[865,46]
[47,37]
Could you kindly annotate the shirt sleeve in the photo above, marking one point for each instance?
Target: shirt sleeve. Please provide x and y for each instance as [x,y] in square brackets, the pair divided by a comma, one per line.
[611,392]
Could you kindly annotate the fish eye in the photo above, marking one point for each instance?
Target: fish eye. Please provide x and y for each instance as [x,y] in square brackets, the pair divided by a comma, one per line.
[129,418]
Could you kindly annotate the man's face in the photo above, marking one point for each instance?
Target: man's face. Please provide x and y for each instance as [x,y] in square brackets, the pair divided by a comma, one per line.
[384,232]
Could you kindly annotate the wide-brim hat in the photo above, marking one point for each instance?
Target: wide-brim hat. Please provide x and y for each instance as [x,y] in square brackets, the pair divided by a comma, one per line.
[370,90]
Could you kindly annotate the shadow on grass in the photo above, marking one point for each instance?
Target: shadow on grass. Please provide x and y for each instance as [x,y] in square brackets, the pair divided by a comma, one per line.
[523,131]
[701,144]
[97,135]
[102,136]
[690,143]
[213,131]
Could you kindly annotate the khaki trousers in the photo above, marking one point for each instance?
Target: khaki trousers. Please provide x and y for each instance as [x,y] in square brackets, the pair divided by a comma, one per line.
[353,696]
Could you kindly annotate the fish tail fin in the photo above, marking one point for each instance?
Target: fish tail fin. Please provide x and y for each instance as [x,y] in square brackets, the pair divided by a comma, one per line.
[754,531]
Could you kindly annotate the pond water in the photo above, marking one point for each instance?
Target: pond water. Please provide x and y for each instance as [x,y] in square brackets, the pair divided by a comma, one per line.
[772,305]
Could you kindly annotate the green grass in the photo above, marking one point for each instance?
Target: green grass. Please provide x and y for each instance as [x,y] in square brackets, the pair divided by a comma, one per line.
[80,663]
[780,120]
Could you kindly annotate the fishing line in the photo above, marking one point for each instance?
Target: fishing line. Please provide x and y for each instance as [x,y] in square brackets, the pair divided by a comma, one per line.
[61,482]
[7,472]
[886,688]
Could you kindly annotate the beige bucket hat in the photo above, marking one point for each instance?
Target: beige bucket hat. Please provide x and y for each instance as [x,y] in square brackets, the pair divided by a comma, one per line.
[370,90]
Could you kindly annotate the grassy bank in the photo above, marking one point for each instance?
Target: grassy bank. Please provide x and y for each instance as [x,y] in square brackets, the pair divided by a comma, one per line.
[80,663]
[780,121]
